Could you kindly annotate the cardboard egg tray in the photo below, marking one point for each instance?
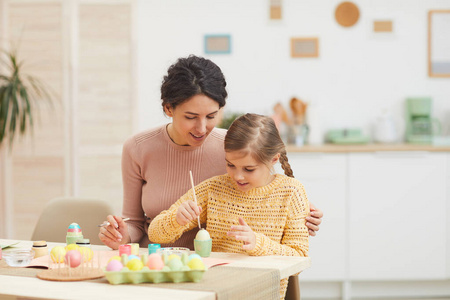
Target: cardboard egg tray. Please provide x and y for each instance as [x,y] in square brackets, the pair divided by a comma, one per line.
[153,276]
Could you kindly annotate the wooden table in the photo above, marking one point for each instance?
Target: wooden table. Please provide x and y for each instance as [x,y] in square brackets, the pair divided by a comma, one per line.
[15,287]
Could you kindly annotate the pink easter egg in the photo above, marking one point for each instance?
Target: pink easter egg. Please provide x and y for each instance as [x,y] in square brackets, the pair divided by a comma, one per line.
[114,265]
[155,262]
[73,257]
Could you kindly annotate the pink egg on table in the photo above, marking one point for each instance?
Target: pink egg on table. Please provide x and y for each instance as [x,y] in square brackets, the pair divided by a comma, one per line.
[114,265]
[73,258]
[155,262]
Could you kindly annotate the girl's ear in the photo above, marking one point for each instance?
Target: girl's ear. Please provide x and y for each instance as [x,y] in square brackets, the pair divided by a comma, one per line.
[168,110]
[276,158]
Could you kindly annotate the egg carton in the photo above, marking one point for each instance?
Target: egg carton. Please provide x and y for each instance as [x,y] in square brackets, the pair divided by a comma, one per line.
[153,276]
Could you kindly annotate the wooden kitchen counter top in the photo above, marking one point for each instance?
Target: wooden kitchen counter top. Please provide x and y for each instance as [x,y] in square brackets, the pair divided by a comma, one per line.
[334,148]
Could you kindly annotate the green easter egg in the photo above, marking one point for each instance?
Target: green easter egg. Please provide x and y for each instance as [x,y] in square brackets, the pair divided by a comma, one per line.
[175,264]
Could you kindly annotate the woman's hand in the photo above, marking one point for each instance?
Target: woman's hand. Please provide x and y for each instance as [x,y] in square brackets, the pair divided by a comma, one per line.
[114,234]
[244,233]
[187,212]
[313,221]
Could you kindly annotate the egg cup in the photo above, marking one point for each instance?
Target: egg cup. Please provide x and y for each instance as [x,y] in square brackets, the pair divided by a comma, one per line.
[73,239]
[203,247]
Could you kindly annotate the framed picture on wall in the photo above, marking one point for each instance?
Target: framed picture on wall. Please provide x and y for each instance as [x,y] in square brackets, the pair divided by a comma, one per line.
[439,43]
[217,44]
[304,47]
[383,26]
[276,9]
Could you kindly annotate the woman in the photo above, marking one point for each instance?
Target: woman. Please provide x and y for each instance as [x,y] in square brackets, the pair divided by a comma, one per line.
[156,163]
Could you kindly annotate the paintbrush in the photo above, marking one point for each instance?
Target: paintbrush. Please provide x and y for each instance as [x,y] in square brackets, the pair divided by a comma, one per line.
[195,197]
[106,223]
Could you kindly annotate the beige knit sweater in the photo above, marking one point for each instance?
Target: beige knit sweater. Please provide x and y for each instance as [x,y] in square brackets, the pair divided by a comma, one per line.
[155,173]
[275,212]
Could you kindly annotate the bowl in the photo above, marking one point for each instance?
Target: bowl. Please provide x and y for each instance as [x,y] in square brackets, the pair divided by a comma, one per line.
[173,250]
[18,258]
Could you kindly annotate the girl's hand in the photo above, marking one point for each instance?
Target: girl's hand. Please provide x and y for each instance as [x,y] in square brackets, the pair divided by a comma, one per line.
[187,212]
[114,234]
[313,221]
[244,233]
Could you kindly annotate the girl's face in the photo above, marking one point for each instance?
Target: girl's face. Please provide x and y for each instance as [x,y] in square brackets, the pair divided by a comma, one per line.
[248,172]
[192,120]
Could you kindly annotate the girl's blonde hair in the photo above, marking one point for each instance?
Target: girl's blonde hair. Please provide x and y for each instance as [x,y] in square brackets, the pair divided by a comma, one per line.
[257,135]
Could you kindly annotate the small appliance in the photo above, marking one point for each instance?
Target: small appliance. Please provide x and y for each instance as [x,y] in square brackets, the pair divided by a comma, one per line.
[420,126]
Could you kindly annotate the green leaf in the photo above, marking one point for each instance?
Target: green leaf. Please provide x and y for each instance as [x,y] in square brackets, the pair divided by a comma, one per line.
[20,95]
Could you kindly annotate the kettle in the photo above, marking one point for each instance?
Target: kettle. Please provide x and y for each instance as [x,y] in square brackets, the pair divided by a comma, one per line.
[386,129]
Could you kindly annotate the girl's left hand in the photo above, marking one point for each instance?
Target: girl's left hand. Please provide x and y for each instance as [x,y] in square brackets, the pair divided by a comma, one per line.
[244,233]
[313,221]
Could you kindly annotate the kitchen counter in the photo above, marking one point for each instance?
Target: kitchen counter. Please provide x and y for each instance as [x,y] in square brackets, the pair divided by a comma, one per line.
[335,148]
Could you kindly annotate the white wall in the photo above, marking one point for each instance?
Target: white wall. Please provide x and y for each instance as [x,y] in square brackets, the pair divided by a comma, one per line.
[357,74]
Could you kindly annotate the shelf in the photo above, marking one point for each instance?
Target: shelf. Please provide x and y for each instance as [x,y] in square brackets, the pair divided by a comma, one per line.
[333,148]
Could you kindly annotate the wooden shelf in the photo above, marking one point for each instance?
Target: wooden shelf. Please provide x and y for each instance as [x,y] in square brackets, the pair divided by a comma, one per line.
[334,148]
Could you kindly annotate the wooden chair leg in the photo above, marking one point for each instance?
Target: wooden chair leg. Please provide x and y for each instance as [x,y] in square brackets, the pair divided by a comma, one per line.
[293,288]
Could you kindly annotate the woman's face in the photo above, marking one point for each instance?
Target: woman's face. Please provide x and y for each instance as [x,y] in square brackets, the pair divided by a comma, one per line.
[247,172]
[192,120]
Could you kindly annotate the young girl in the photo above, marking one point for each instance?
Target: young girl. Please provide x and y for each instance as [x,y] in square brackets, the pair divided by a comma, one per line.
[250,209]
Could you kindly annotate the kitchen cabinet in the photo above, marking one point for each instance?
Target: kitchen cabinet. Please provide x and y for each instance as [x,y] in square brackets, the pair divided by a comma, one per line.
[324,178]
[397,215]
[448,214]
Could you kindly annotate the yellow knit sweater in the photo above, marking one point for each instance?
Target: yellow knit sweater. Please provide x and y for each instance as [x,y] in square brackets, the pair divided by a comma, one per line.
[275,212]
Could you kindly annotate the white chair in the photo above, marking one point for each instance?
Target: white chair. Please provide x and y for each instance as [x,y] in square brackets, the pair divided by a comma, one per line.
[59,213]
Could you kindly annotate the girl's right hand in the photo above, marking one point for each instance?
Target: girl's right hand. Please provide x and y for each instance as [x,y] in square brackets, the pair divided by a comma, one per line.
[114,234]
[187,212]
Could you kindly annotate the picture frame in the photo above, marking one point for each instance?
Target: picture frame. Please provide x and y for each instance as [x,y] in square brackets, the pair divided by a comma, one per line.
[439,43]
[305,47]
[276,9]
[383,26]
[217,44]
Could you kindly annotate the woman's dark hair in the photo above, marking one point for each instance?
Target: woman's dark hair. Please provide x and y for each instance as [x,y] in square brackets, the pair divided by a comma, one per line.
[258,136]
[193,76]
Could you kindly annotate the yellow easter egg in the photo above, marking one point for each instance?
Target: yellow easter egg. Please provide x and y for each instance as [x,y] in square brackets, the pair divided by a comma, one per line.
[196,264]
[57,254]
[115,257]
[72,247]
[87,253]
[135,264]
[172,256]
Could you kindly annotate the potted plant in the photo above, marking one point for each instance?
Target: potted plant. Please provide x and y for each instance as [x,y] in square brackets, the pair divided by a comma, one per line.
[19,97]
[228,118]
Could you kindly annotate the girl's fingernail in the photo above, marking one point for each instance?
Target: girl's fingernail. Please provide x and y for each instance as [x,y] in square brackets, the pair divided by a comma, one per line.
[116,225]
